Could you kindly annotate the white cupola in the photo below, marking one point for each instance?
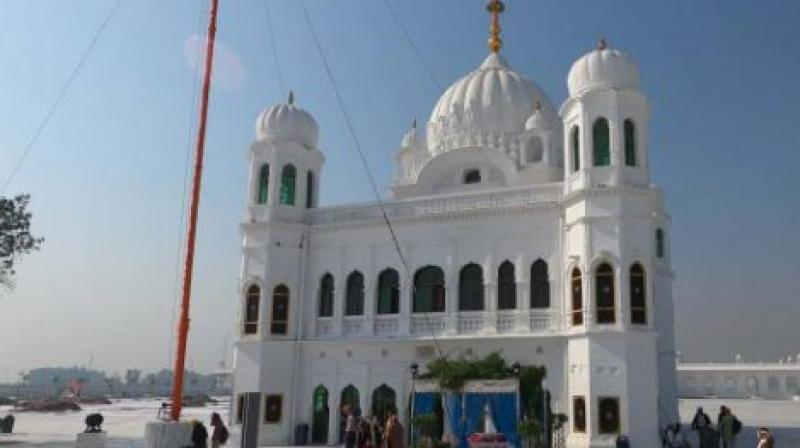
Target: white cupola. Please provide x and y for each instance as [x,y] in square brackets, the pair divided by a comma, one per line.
[605,121]
[287,123]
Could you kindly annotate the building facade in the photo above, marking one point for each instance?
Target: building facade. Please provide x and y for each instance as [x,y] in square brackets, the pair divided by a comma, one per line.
[513,227]
[772,381]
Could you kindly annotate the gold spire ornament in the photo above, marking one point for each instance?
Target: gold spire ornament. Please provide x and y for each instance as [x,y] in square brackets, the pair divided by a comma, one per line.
[291,97]
[495,8]
[602,44]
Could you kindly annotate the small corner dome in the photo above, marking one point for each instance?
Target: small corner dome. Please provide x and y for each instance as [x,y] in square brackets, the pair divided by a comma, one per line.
[288,123]
[410,137]
[601,68]
[538,120]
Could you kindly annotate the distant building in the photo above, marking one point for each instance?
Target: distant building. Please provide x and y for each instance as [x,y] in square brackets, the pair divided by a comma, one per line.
[777,381]
[524,229]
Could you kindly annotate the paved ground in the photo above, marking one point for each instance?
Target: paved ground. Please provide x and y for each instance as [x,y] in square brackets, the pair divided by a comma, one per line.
[781,417]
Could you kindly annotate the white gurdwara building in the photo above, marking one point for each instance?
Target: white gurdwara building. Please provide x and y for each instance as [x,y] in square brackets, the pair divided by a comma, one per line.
[519,229]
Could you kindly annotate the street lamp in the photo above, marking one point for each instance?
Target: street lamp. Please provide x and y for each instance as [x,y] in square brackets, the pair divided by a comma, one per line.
[516,368]
[414,368]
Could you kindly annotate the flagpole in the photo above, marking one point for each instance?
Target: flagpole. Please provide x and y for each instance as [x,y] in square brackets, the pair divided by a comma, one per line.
[194,204]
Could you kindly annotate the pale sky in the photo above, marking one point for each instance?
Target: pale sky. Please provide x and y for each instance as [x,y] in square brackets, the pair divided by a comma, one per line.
[107,174]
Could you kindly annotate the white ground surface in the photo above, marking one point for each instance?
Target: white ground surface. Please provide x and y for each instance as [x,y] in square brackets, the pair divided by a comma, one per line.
[125,419]
[124,423]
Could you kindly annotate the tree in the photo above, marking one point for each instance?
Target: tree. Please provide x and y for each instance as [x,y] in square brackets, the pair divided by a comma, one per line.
[15,236]
[132,376]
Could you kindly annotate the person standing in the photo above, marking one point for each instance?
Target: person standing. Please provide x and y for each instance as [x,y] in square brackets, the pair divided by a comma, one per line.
[199,435]
[350,427]
[219,436]
[701,424]
[726,426]
[394,432]
[765,439]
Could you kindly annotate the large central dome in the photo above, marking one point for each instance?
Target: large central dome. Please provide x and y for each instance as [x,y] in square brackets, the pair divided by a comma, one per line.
[491,102]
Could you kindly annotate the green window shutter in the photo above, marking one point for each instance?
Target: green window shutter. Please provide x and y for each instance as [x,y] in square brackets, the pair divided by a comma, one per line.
[601,144]
[630,143]
[263,184]
[288,177]
[576,149]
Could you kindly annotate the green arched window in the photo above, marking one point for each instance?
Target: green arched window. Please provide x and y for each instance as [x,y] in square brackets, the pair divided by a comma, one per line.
[601,145]
[630,143]
[506,287]
[310,189]
[263,184]
[389,292]
[470,288]
[576,148]
[659,243]
[429,290]
[288,177]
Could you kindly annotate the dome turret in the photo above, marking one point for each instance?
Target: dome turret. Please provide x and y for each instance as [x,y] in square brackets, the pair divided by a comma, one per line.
[538,120]
[603,68]
[288,123]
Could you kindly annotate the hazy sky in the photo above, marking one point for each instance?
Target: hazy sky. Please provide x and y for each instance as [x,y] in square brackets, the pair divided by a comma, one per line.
[107,174]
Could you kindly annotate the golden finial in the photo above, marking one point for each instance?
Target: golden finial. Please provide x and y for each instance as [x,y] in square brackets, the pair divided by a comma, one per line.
[602,44]
[495,8]
[291,97]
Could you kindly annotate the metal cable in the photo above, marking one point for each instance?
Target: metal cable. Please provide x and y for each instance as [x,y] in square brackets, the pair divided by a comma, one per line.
[273,44]
[61,94]
[362,157]
[186,164]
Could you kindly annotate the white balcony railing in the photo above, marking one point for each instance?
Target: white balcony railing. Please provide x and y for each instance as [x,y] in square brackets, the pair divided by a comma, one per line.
[427,325]
[471,323]
[386,325]
[353,326]
[324,328]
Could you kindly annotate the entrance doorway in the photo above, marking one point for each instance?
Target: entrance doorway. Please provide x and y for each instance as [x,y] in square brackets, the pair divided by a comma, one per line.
[349,397]
[321,416]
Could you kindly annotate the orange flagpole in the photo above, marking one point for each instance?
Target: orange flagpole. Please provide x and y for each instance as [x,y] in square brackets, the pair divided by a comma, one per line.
[188,264]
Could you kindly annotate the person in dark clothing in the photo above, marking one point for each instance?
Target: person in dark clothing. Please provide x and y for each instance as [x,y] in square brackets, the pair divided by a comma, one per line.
[199,435]
[219,435]
[701,424]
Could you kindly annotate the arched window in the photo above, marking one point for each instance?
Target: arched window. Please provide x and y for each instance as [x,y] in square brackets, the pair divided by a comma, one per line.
[252,301]
[389,292]
[288,177]
[280,310]
[263,184]
[326,296]
[659,243]
[350,399]
[384,403]
[601,145]
[310,189]
[354,300]
[320,417]
[506,287]
[577,297]
[604,294]
[576,148]
[470,288]
[638,303]
[428,290]
[540,285]
[579,414]
[472,176]
[608,414]
[630,143]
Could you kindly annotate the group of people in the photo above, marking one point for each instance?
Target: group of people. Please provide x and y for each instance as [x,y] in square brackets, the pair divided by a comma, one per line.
[363,432]
[727,429]
[200,435]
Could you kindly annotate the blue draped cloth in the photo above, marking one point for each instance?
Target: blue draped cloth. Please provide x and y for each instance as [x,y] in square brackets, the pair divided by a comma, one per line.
[423,404]
[465,415]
